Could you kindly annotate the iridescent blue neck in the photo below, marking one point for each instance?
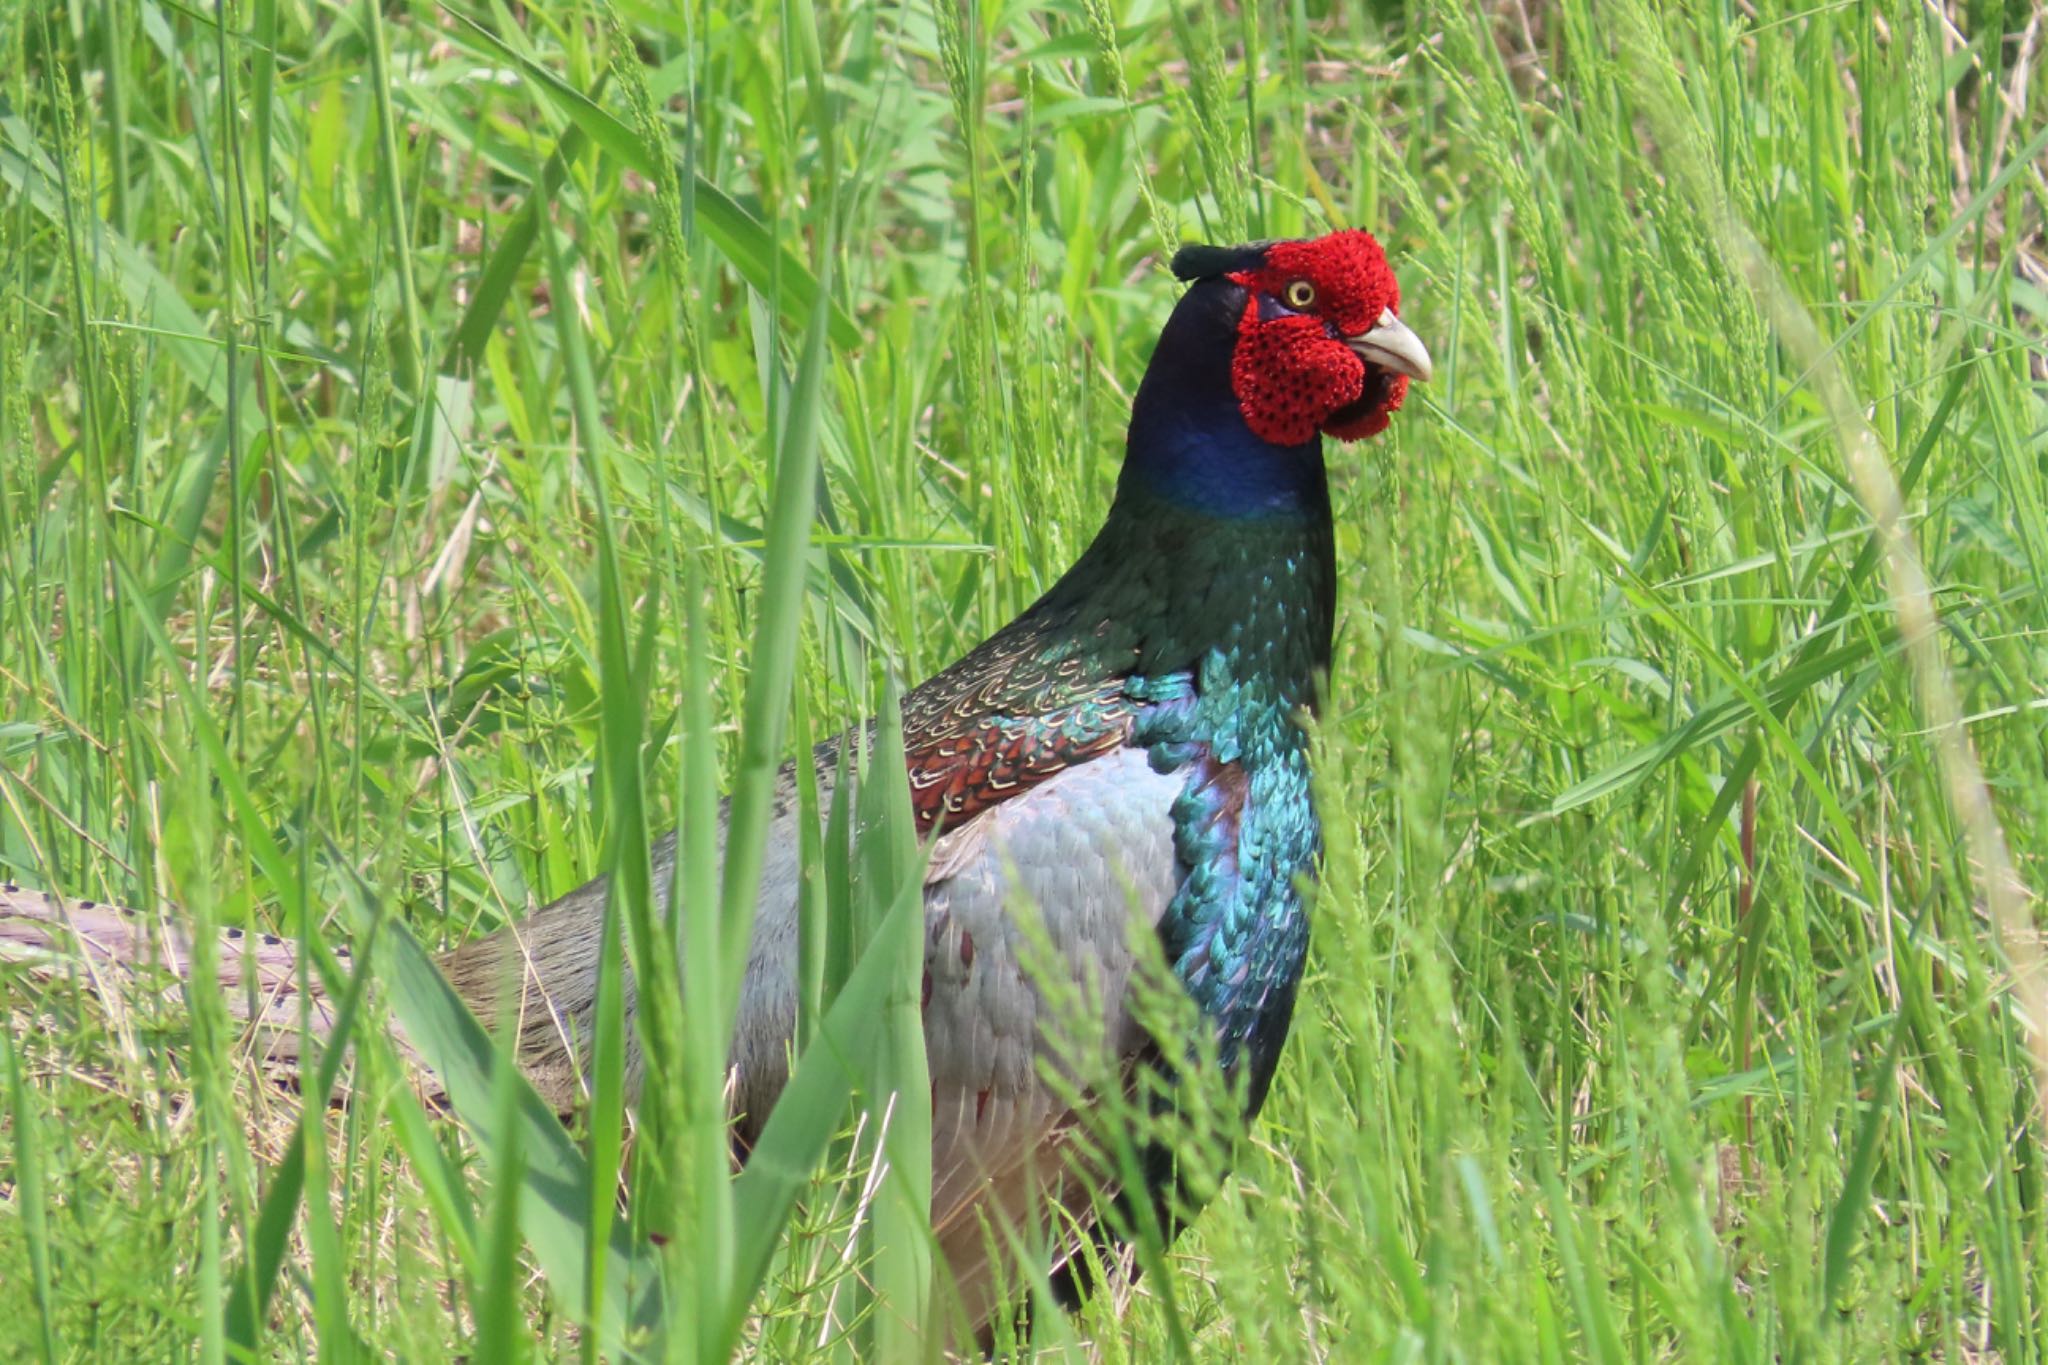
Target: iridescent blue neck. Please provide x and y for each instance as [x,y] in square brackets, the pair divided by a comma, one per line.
[1188,442]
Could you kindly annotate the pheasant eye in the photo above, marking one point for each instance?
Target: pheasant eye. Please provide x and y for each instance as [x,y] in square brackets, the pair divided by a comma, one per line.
[1299,295]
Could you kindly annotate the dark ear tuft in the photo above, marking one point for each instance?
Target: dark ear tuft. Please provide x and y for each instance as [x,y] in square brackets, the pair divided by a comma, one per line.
[1195,262]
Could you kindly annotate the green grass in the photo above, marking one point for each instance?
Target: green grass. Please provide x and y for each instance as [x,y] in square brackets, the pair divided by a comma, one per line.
[387,440]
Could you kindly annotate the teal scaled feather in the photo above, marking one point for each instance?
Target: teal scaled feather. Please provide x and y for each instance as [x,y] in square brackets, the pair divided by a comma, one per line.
[1245,825]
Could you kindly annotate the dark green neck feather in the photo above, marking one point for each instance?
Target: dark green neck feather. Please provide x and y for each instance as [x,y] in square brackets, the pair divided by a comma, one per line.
[1163,588]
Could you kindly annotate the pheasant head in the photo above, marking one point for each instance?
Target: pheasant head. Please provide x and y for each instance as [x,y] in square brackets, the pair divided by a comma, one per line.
[1320,345]
[1273,346]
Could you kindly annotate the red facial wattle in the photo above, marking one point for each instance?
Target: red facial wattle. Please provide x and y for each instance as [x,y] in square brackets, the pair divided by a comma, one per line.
[1296,369]
[1370,416]
[1289,376]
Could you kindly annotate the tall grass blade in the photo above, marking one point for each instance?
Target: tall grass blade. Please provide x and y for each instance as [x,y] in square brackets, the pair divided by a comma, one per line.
[897,1081]
[785,1158]
[30,1196]
[555,1203]
[255,1282]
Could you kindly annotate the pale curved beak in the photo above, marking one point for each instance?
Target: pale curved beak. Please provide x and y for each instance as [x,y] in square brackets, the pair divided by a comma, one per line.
[1391,346]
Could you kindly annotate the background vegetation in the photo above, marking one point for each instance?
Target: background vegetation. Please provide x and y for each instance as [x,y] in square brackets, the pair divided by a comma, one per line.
[1659,1007]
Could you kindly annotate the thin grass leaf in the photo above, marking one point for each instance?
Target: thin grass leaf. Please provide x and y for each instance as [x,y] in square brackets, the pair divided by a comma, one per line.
[30,1197]
[1847,1216]
[248,1306]
[554,1207]
[807,1115]
[775,651]
[499,1335]
[897,1081]
[628,892]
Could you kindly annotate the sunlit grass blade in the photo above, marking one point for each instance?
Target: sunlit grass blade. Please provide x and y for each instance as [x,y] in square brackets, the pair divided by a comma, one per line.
[781,600]
[784,1160]
[254,1283]
[30,1196]
[1853,1203]
[629,893]
[897,1080]
[554,1210]
[756,779]
[499,1335]
[494,288]
[705,1167]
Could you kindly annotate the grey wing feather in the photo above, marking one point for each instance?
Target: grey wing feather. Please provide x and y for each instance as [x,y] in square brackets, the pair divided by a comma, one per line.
[1089,850]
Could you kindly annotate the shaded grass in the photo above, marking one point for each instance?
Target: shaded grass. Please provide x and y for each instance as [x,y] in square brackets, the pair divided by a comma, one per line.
[1653,1010]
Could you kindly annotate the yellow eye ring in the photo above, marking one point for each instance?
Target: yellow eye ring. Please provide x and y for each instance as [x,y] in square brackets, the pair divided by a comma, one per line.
[1299,295]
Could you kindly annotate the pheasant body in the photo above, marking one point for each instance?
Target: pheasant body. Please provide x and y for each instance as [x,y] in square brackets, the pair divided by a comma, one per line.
[1131,747]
